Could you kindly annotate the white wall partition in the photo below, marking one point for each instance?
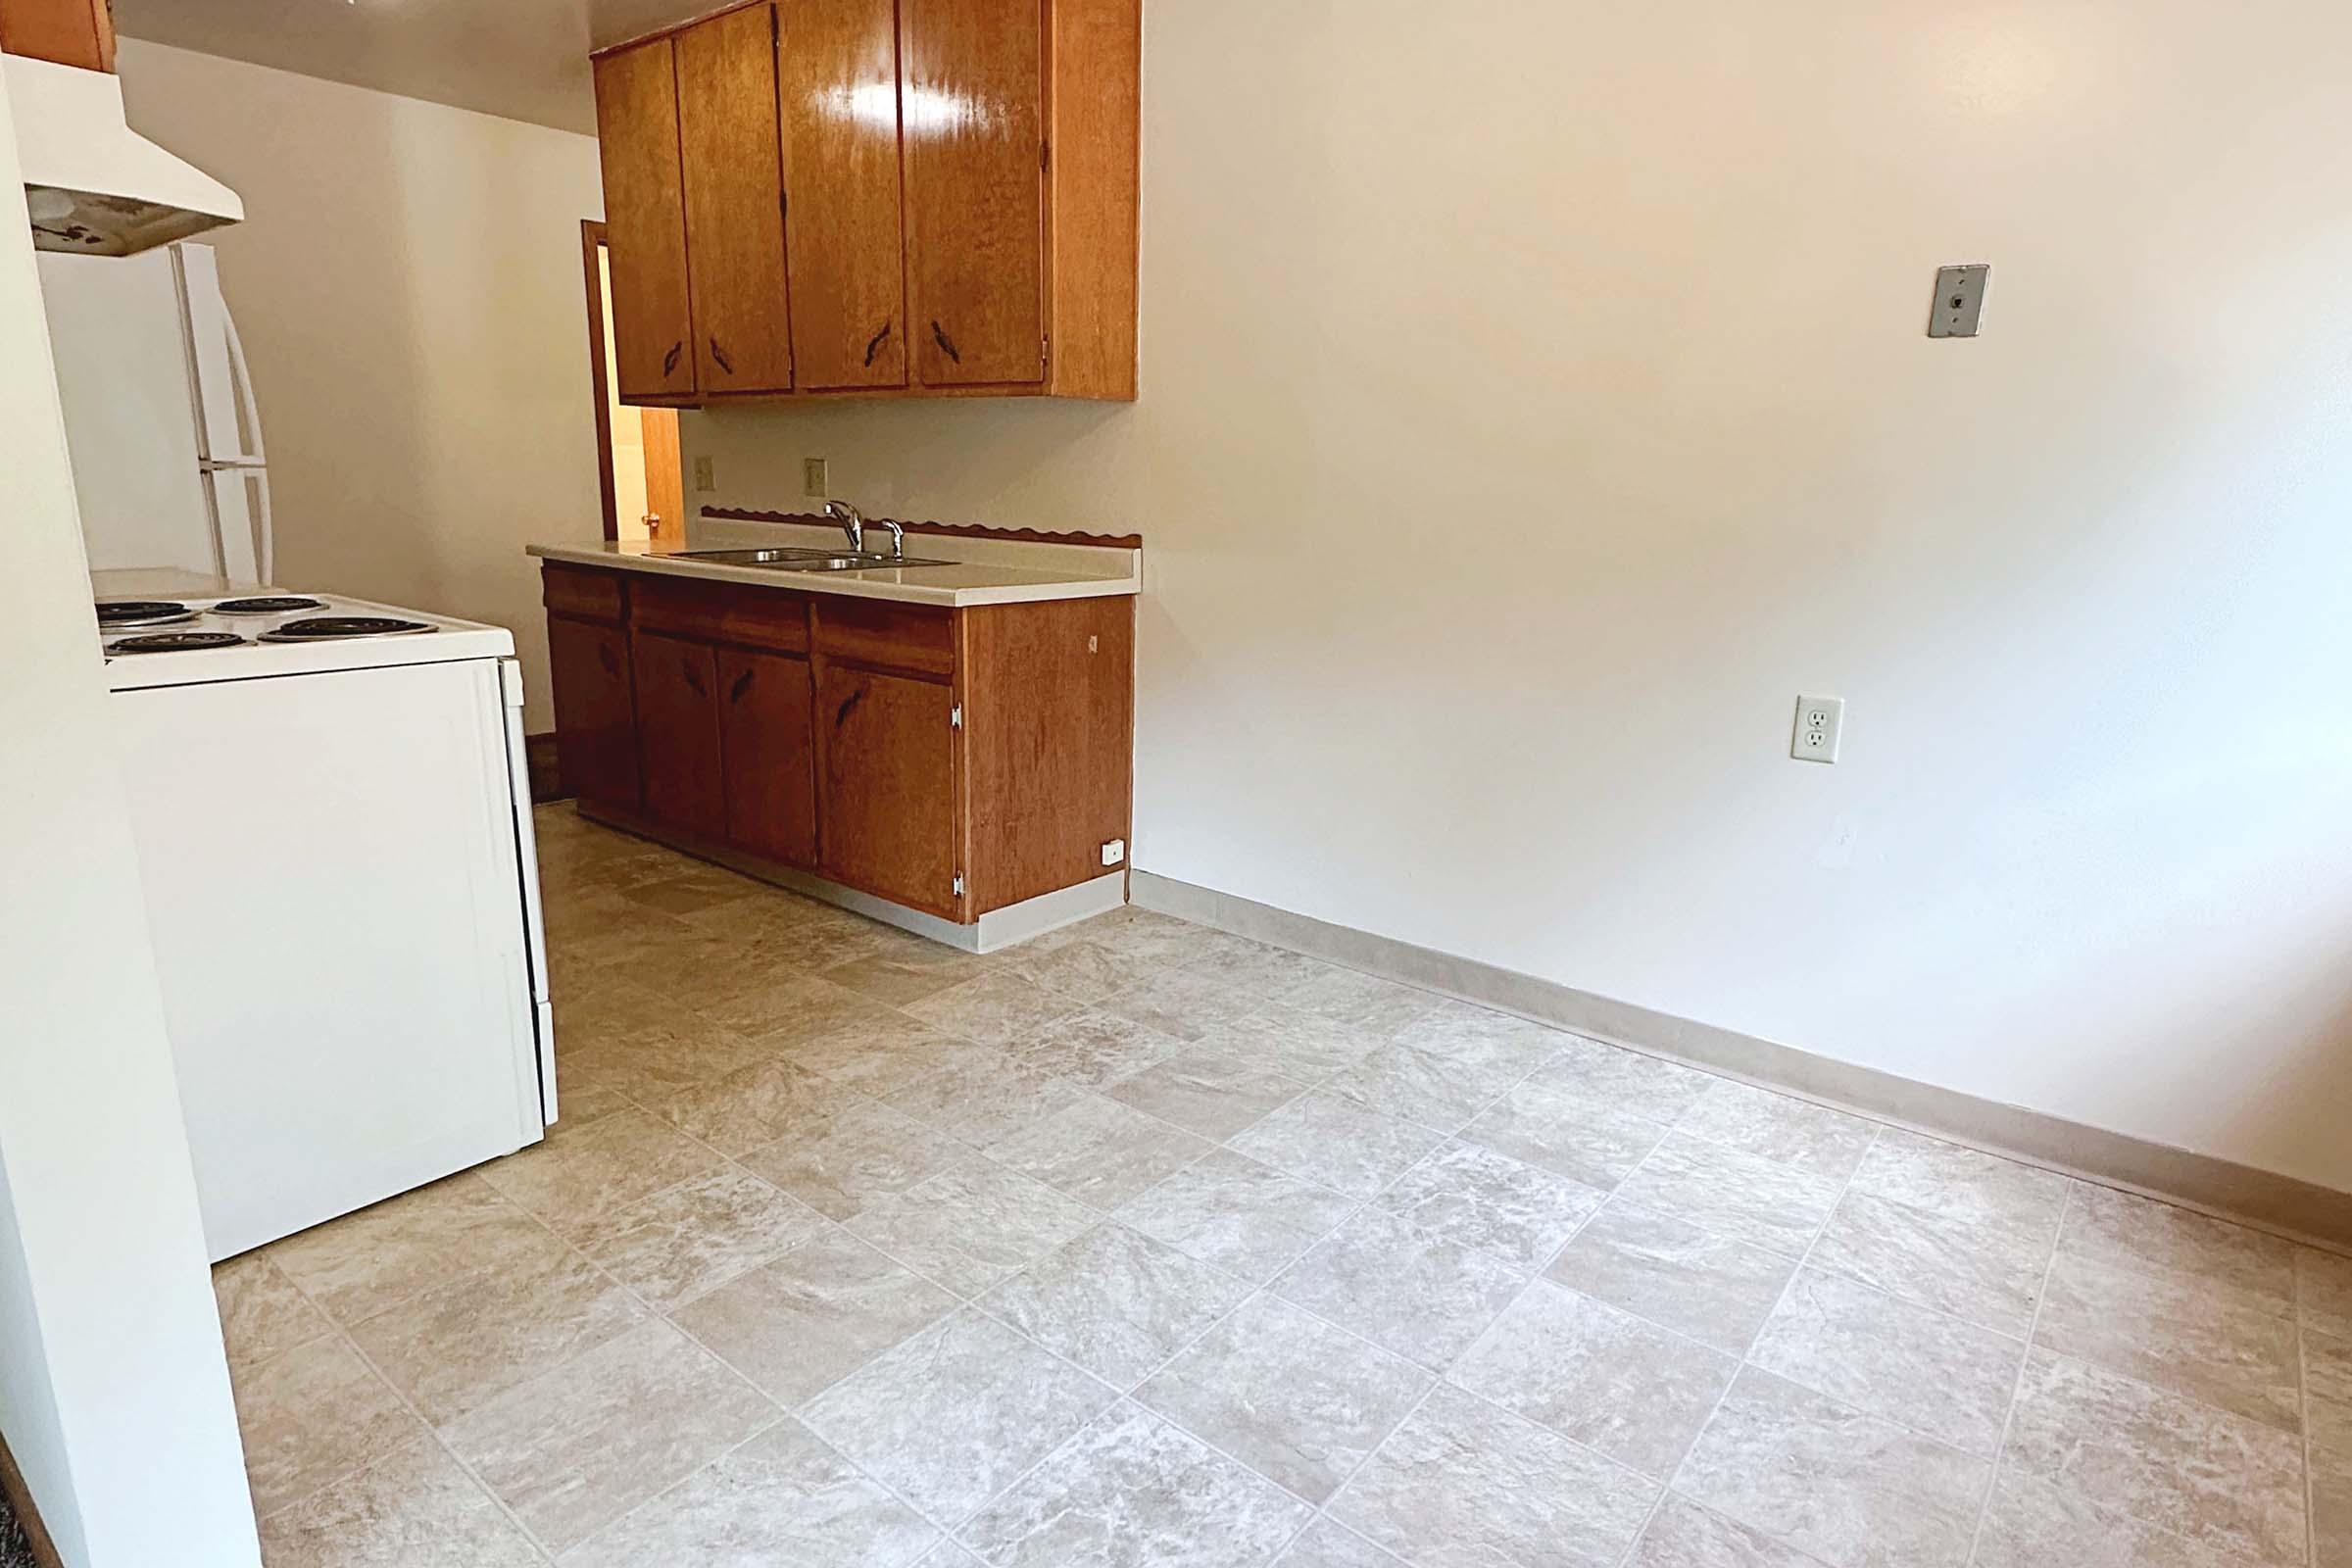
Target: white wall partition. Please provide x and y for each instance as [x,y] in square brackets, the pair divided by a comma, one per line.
[1537,398]
[114,1389]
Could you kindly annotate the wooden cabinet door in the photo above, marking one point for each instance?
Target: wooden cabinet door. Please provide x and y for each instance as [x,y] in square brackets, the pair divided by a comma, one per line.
[735,202]
[596,719]
[973,101]
[886,802]
[71,33]
[770,766]
[645,220]
[837,77]
[677,733]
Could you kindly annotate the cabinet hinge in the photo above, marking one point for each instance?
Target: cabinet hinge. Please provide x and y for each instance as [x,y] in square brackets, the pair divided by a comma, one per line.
[1045,351]
[1044,156]
[959,887]
[955,717]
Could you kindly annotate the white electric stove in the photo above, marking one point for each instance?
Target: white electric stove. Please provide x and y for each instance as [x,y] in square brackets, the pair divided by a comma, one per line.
[333,820]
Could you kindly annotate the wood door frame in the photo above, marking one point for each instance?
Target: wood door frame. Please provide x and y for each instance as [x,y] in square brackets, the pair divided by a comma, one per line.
[592,247]
[595,243]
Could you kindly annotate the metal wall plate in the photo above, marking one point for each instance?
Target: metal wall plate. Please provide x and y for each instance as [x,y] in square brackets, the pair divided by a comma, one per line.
[1959,300]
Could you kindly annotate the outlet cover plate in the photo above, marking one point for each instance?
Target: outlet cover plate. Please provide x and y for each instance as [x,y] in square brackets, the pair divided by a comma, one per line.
[1959,300]
[814,479]
[704,478]
[1820,724]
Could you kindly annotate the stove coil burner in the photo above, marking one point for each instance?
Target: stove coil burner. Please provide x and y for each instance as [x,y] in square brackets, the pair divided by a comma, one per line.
[176,642]
[336,628]
[118,613]
[267,604]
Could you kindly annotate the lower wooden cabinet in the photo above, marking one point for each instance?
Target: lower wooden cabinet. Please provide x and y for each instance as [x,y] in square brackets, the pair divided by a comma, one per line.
[596,719]
[677,732]
[768,755]
[890,785]
[950,760]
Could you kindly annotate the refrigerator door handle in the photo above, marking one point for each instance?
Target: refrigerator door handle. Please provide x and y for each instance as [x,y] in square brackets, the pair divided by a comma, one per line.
[240,387]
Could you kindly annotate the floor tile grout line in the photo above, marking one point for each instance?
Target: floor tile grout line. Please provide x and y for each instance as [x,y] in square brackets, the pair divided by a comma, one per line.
[1323,1081]
[2017,1390]
[432,1432]
[1746,1357]
[2311,1480]
[1436,1376]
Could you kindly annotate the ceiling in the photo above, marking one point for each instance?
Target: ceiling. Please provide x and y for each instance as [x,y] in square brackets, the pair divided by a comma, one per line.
[524,59]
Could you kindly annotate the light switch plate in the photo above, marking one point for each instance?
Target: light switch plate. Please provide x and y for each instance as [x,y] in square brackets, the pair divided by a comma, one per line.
[1959,300]
[1820,720]
[813,479]
[703,480]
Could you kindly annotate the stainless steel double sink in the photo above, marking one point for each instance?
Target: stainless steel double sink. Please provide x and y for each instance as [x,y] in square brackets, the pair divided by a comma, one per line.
[780,560]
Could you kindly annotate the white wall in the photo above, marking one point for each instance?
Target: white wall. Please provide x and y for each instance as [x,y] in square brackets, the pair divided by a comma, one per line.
[408,283]
[114,1389]
[1537,400]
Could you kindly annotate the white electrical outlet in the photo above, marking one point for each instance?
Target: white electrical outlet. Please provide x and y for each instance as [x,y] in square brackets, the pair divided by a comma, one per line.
[1819,720]
[703,479]
[1115,853]
[814,479]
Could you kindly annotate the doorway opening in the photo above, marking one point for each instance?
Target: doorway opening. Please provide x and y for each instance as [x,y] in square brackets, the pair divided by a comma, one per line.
[636,449]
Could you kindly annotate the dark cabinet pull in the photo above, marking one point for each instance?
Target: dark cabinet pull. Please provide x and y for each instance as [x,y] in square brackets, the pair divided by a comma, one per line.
[603,657]
[669,361]
[947,344]
[841,715]
[875,347]
[694,677]
[720,354]
[742,684]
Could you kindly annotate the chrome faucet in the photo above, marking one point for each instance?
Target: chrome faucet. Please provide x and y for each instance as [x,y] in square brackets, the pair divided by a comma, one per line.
[853,522]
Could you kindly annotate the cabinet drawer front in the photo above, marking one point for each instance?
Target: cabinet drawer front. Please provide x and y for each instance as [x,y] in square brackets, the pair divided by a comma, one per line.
[583,591]
[869,631]
[724,612]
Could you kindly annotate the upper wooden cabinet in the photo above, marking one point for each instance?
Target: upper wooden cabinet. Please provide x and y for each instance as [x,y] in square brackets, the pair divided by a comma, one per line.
[734,203]
[976,162]
[877,198]
[838,102]
[645,220]
[71,33]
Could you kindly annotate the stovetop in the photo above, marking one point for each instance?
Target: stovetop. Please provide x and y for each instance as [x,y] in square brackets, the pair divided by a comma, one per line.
[169,642]
[187,626]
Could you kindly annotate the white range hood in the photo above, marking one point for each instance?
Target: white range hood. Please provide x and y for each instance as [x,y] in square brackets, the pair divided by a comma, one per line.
[97,187]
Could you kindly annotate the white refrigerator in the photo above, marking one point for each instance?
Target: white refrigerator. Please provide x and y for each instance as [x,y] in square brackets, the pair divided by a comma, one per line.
[159,416]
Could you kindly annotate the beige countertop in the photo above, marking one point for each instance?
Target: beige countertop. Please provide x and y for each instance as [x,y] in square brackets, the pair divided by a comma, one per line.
[974,572]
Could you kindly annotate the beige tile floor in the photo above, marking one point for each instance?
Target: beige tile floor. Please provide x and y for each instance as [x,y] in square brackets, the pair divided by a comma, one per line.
[1146,1245]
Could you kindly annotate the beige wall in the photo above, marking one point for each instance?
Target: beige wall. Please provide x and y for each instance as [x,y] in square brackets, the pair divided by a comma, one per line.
[407,284]
[1535,400]
[113,1389]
